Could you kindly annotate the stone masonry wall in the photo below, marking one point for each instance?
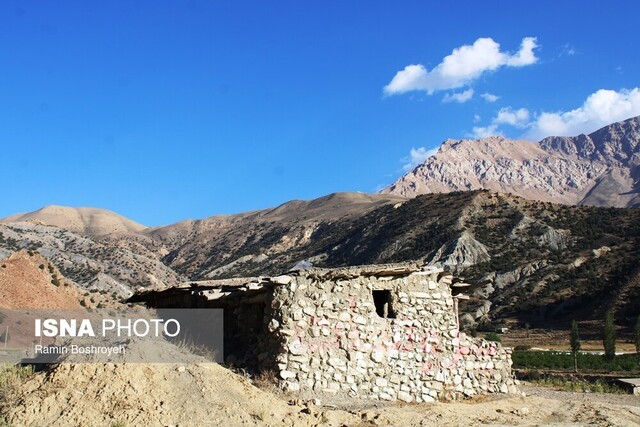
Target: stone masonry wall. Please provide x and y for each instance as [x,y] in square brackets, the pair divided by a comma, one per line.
[333,341]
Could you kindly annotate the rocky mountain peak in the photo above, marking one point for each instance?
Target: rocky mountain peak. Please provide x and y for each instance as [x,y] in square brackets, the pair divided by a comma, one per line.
[615,144]
[601,169]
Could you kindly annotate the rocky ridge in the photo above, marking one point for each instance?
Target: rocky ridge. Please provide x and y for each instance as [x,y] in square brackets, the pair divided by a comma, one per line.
[114,264]
[599,169]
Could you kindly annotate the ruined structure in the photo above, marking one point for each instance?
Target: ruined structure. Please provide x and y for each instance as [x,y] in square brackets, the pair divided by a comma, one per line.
[386,332]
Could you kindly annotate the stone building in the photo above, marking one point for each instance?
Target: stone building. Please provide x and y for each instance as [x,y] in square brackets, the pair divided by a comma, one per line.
[388,332]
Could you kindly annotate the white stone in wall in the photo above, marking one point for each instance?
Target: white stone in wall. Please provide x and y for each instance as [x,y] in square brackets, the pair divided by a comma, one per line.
[405,397]
[421,294]
[336,361]
[292,386]
[377,356]
[381,382]
[285,375]
[295,348]
[344,316]
[282,280]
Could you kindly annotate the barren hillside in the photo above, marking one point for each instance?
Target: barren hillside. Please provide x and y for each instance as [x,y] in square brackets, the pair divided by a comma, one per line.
[113,263]
[28,280]
[85,221]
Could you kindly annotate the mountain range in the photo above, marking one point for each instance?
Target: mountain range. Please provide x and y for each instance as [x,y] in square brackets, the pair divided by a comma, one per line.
[599,169]
[533,262]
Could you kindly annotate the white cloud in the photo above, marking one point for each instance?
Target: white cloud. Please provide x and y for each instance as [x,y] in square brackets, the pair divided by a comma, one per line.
[568,50]
[460,97]
[489,97]
[506,116]
[525,55]
[517,118]
[417,157]
[485,131]
[599,109]
[461,67]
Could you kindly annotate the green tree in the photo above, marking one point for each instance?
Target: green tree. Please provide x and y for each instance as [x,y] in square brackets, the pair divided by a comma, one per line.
[575,344]
[609,336]
[636,335]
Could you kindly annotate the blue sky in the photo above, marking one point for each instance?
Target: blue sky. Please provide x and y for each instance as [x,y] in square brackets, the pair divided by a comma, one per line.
[163,111]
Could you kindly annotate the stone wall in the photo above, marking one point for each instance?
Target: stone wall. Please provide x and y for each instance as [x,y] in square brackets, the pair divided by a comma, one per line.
[335,339]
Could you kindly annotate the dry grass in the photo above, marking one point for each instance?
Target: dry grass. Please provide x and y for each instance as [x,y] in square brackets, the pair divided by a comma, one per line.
[195,349]
[11,377]
[267,381]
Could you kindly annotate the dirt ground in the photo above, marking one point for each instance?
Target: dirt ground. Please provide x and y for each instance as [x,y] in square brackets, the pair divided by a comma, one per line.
[206,394]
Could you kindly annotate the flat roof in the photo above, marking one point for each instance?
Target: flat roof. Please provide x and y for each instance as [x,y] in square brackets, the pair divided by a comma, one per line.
[633,381]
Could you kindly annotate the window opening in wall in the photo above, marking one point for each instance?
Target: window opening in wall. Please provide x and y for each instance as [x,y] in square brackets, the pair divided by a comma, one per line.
[382,301]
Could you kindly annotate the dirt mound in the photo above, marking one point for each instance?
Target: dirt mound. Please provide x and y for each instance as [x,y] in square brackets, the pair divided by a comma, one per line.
[202,394]
[150,395]
[28,280]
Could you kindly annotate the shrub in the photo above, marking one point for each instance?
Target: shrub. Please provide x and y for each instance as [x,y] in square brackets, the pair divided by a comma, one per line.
[493,336]
[532,375]
[522,348]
